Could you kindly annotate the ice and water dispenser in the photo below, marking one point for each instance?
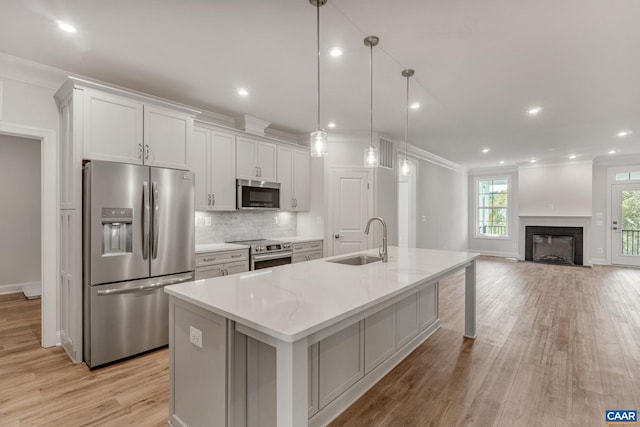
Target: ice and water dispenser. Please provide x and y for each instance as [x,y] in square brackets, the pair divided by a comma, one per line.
[117,233]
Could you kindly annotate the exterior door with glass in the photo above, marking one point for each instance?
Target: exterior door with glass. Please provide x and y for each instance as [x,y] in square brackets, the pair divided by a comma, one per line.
[625,224]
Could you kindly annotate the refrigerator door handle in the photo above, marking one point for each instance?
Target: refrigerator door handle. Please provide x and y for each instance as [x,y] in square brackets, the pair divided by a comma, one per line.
[145,220]
[145,288]
[156,220]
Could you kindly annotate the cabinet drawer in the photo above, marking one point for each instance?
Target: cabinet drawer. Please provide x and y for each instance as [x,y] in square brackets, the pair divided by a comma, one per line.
[307,246]
[209,258]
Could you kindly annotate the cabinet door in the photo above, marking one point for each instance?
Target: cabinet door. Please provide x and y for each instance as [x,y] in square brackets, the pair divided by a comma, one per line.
[379,337]
[298,258]
[236,267]
[300,179]
[340,363]
[314,255]
[209,272]
[406,320]
[222,171]
[246,162]
[312,379]
[199,165]
[166,136]
[112,128]
[428,305]
[285,173]
[267,160]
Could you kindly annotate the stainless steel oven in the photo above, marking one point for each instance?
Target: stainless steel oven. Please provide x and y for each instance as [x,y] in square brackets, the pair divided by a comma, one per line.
[267,253]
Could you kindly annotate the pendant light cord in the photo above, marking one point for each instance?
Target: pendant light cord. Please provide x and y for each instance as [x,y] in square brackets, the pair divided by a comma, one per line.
[406,124]
[318,45]
[371,89]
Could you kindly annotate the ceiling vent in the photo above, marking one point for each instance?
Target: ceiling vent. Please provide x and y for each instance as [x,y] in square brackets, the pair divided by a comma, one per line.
[385,153]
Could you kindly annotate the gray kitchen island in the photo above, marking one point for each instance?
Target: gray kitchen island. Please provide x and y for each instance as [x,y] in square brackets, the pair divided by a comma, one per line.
[296,345]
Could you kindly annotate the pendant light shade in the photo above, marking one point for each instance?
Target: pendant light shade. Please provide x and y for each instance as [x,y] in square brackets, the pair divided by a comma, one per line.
[318,144]
[371,157]
[405,165]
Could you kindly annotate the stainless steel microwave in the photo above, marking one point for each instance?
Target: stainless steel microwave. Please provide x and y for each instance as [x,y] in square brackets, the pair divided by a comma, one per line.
[253,194]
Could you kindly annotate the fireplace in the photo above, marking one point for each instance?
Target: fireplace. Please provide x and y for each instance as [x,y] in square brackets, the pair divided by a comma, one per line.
[556,245]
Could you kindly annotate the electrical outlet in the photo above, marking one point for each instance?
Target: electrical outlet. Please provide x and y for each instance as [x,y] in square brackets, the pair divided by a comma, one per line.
[195,336]
[207,220]
[319,220]
[275,219]
[600,251]
[423,218]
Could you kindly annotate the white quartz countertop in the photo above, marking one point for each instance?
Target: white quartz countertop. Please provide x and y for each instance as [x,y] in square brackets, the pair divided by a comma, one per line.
[294,301]
[217,247]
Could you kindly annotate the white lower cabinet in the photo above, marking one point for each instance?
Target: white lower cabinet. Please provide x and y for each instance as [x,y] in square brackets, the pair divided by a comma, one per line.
[340,362]
[379,337]
[306,251]
[198,372]
[335,363]
[406,320]
[221,263]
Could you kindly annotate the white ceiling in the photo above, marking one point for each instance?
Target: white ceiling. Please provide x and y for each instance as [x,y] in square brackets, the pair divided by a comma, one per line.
[479,66]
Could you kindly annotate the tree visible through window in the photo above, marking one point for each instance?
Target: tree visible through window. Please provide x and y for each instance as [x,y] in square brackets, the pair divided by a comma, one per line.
[492,207]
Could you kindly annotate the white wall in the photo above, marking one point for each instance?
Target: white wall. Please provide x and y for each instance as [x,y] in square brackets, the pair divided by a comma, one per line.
[312,223]
[599,221]
[19,210]
[443,202]
[556,190]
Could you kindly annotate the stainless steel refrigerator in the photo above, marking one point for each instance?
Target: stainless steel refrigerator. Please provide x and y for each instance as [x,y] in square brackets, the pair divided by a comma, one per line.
[138,236]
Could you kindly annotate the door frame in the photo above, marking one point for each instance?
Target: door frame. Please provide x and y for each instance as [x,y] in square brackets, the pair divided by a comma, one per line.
[330,207]
[611,181]
[48,225]
[635,184]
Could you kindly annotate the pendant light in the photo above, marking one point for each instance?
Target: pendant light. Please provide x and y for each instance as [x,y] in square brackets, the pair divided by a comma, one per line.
[371,152]
[318,144]
[405,166]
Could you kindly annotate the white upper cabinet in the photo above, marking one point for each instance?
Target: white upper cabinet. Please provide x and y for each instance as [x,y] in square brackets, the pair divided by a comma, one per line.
[112,128]
[293,176]
[166,136]
[255,159]
[212,157]
[119,129]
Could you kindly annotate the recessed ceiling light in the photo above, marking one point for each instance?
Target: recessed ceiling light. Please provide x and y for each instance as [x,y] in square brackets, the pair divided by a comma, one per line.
[502,162]
[485,150]
[532,161]
[534,110]
[335,51]
[415,105]
[331,124]
[612,151]
[243,92]
[66,27]
[573,156]
[624,133]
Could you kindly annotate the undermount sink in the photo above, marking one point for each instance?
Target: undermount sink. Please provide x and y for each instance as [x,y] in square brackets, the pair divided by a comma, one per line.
[357,260]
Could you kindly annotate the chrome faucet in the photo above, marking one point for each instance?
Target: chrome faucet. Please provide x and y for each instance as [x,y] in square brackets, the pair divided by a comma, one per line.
[383,250]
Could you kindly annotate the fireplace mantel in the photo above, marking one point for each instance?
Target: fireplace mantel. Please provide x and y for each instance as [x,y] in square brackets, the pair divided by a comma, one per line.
[583,221]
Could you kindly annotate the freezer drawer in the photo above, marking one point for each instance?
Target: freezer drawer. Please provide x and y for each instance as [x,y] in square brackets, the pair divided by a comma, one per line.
[127,318]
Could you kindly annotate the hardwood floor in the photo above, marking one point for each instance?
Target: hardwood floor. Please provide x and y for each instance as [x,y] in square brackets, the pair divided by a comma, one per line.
[556,346]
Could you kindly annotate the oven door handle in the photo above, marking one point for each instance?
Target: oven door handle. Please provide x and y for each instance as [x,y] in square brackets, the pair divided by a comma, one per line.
[267,257]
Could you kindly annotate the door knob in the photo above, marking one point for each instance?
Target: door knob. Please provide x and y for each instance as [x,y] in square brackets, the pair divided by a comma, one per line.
[614,228]
[337,236]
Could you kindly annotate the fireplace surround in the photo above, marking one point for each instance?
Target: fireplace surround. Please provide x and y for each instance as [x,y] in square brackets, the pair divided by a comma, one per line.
[556,245]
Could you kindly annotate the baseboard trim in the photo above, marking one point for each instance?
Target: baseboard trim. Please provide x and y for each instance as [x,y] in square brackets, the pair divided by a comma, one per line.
[599,261]
[11,288]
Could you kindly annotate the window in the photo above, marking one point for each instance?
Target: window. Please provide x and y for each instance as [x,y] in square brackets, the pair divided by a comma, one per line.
[492,207]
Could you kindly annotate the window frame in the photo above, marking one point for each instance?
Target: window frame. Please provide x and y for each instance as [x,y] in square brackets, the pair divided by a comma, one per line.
[476,207]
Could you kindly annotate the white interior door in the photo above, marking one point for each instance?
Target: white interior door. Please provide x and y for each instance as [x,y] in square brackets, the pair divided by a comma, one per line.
[351,207]
[625,224]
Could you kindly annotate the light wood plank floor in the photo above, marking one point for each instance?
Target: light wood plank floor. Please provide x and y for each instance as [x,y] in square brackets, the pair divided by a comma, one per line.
[556,346]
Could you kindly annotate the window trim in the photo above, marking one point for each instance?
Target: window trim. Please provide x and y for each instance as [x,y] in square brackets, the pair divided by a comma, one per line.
[476,207]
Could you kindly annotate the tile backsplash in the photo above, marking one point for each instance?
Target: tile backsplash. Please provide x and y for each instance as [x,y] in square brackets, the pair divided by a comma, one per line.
[219,227]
